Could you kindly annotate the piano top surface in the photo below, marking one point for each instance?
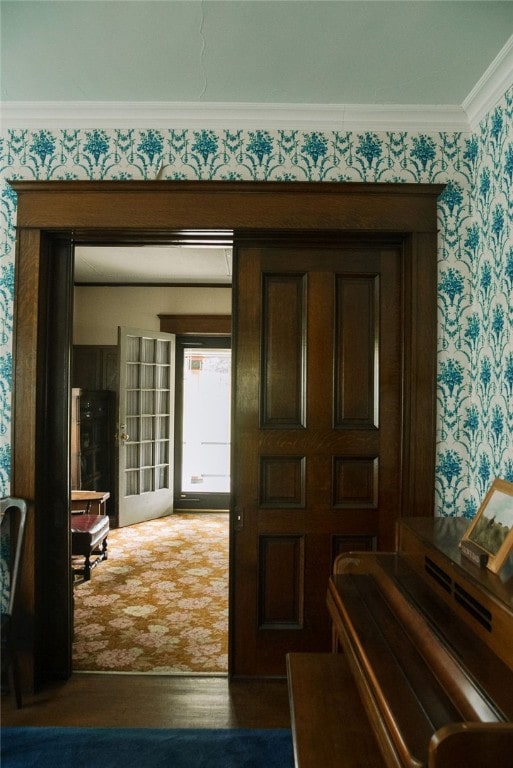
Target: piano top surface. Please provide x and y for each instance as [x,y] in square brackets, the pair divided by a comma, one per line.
[429,626]
[444,534]
[429,635]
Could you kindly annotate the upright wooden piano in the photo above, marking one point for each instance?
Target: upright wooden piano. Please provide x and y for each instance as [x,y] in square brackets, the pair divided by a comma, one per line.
[422,669]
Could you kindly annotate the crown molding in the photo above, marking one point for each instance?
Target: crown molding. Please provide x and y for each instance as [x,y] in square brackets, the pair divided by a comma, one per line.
[491,87]
[164,115]
[55,115]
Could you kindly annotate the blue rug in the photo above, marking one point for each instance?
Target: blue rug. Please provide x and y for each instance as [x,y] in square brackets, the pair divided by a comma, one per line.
[145,748]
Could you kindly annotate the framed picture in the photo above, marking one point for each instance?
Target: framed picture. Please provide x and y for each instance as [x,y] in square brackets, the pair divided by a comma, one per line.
[491,530]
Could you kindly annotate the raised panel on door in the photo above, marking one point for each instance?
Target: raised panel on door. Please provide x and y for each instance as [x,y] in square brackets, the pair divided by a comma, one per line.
[356,346]
[316,462]
[281,579]
[282,481]
[283,346]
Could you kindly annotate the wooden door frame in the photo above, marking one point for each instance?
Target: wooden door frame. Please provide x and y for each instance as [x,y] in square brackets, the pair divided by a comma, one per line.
[53,215]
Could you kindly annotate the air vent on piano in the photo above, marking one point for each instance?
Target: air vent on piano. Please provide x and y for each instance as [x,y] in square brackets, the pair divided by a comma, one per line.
[437,573]
[473,606]
[461,596]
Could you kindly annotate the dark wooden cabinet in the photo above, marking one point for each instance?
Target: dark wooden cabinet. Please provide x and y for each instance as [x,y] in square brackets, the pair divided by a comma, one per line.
[95,377]
[95,366]
[93,437]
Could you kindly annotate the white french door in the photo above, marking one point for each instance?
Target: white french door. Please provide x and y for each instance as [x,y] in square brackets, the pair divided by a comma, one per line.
[146,424]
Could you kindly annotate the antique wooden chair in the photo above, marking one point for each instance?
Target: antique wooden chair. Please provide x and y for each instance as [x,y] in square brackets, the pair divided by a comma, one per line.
[13,516]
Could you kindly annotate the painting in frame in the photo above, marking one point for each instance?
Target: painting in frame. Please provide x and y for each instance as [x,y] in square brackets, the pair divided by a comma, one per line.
[491,530]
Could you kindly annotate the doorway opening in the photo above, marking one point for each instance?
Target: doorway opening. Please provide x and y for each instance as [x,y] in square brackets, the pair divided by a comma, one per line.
[161,282]
[51,217]
[203,422]
[131,284]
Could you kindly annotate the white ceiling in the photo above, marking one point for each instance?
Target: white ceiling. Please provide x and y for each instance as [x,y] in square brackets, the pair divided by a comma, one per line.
[257,51]
[155,265]
[277,63]
[96,59]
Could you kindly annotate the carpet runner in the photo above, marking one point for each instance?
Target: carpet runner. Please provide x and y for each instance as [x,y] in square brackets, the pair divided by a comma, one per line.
[145,748]
[159,604]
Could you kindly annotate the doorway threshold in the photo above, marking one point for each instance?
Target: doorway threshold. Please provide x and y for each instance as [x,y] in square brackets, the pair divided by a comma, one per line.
[169,673]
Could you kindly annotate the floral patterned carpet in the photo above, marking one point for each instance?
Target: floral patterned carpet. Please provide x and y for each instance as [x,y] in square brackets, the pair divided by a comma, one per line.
[159,603]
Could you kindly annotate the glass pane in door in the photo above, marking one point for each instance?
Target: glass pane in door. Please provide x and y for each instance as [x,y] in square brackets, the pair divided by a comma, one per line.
[206,420]
[145,424]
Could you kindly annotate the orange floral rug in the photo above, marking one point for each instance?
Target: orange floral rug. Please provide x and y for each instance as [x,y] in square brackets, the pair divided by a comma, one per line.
[159,603]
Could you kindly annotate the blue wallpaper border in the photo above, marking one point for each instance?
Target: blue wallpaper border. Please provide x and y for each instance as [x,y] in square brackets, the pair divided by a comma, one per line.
[475,249]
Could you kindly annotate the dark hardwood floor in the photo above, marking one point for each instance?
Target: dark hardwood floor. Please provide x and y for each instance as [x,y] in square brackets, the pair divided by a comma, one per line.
[151,701]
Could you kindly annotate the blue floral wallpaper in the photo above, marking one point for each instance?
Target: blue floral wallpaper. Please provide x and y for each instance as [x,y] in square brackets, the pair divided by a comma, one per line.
[475,357]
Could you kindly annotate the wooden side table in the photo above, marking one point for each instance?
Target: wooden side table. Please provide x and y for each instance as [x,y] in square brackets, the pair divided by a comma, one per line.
[90,502]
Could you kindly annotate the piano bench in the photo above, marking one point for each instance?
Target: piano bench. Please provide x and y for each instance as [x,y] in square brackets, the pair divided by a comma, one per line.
[330,727]
[89,537]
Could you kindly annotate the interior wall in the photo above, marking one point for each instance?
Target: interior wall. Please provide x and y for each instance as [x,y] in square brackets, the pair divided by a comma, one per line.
[486,338]
[475,363]
[138,307]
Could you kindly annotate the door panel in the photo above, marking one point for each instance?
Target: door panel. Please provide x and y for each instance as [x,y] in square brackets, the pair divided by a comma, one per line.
[356,349]
[317,459]
[146,423]
[283,337]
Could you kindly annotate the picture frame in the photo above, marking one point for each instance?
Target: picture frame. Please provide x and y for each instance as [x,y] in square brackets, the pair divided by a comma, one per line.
[491,530]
